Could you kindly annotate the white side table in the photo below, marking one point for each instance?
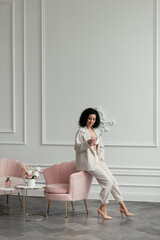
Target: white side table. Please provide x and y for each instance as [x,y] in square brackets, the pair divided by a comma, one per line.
[25,188]
[11,191]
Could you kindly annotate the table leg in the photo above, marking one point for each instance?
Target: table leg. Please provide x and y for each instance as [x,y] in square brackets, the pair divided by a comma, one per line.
[43,215]
[24,205]
[46,207]
[11,203]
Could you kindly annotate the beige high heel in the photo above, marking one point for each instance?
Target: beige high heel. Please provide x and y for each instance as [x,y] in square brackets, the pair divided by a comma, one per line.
[103,215]
[125,212]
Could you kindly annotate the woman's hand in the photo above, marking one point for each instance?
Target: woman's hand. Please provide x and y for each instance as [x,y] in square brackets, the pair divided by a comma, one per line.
[92,141]
[102,160]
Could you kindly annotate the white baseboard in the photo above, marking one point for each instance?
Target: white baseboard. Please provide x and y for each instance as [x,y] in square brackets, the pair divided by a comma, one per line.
[140,197]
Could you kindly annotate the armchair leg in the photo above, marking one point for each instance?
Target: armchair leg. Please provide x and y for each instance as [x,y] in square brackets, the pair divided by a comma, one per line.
[85,202]
[72,205]
[20,199]
[66,206]
[48,206]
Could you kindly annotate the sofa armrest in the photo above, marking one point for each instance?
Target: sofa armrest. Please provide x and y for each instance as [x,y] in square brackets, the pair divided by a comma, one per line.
[79,185]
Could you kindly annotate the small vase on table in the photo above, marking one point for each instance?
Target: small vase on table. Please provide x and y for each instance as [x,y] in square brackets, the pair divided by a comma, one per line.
[31,182]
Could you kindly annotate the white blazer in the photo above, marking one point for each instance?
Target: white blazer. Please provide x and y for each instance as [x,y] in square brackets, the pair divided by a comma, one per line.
[85,155]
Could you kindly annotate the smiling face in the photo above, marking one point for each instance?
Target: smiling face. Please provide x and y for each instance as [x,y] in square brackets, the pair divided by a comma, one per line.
[91,120]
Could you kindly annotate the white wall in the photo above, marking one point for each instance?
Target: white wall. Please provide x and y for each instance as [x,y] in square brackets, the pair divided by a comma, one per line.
[61,56]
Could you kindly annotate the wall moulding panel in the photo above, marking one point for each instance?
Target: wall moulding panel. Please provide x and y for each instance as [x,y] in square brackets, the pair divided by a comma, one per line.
[17,75]
[66,68]
[7,58]
[123,171]
[144,195]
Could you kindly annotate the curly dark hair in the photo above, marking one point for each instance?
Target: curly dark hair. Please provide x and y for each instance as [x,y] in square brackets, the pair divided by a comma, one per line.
[84,117]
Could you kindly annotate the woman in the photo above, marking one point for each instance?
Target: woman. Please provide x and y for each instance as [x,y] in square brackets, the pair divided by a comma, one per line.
[90,157]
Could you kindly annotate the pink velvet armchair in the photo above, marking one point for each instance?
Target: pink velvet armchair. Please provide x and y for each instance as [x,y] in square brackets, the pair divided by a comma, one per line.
[65,183]
[15,171]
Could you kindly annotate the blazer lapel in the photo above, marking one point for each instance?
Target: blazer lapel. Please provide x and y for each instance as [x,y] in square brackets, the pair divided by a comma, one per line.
[86,134]
[97,133]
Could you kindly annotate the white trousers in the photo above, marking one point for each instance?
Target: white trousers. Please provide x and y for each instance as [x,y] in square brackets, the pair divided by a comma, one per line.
[107,182]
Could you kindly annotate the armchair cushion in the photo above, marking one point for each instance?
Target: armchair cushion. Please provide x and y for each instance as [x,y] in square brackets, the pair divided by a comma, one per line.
[57,188]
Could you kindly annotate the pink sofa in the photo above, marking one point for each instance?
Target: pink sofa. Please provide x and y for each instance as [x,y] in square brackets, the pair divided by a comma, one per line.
[65,183]
[12,169]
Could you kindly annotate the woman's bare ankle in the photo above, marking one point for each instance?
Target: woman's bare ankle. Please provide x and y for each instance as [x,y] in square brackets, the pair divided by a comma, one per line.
[122,205]
[103,207]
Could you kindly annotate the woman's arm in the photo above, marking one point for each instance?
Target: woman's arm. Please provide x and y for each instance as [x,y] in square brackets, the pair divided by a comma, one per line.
[80,144]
